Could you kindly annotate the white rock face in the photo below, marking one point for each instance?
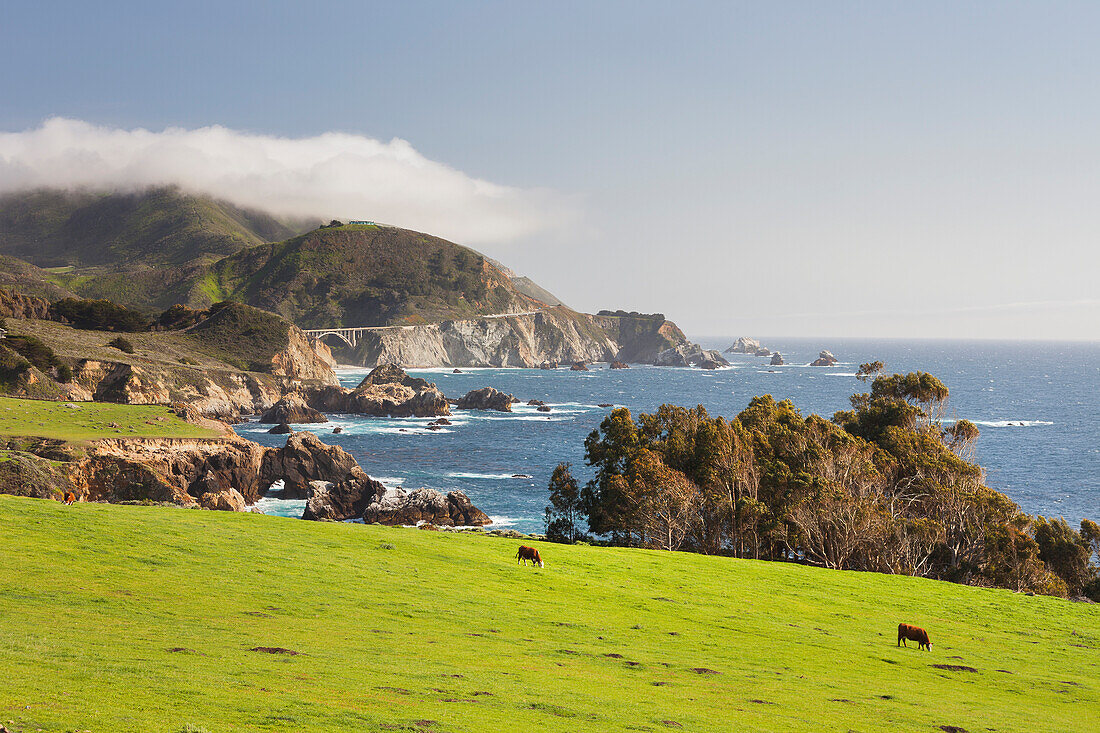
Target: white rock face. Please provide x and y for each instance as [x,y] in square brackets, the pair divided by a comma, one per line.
[512,341]
[744,345]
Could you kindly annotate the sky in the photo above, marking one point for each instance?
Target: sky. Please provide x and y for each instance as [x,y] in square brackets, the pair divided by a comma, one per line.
[886,169]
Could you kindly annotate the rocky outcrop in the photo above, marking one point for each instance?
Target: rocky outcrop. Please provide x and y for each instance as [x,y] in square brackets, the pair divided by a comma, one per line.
[304,359]
[690,355]
[302,460]
[228,500]
[579,366]
[396,507]
[179,471]
[619,365]
[486,398]
[14,304]
[220,394]
[745,345]
[824,359]
[777,359]
[640,337]
[337,501]
[386,391]
[225,473]
[291,409]
[27,474]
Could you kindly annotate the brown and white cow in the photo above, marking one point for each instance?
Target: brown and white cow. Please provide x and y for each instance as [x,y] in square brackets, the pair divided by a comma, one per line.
[913,633]
[526,553]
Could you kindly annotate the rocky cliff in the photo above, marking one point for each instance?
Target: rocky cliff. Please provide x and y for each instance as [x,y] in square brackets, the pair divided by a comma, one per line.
[238,361]
[552,334]
[227,473]
[641,337]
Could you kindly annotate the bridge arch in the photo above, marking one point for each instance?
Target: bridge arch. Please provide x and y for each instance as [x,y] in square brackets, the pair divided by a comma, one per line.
[337,334]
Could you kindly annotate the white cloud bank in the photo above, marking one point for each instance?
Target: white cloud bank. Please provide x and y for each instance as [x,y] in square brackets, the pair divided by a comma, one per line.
[334,175]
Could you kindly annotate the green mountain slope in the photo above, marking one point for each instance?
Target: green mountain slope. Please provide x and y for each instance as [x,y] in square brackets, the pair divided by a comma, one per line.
[53,228]
[128,618]
[364,275]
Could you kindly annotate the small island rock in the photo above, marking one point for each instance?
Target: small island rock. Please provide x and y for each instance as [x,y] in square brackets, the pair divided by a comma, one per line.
[291,409]
[486,398]
[744,345]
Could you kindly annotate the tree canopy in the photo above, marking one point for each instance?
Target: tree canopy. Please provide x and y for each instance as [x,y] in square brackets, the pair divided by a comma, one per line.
[887,486]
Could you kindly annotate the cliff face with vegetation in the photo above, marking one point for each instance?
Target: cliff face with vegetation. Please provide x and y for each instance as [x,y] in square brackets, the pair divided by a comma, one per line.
[237,361]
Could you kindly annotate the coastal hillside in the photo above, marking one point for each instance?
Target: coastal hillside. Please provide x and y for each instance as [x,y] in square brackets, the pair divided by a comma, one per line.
[338,627]
[234,360]
[157,227]
[155,249]
[365,275]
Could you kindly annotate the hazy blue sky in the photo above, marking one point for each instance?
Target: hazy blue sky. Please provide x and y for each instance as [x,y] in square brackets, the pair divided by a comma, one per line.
[908,169]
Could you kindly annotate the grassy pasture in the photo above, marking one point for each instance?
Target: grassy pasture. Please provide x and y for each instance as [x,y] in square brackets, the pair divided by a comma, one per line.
[126,618]
[93,420]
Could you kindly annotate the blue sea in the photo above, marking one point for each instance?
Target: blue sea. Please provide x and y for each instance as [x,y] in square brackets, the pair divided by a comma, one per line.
[1037,405]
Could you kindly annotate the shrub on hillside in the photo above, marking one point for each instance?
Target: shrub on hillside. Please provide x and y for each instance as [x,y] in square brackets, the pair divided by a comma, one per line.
[12,367]
[99,315]
[178,317]
[122,344]
[33,350]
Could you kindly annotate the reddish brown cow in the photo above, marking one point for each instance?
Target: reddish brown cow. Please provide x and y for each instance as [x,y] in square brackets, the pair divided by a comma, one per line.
[526,553]
[70,497]
[913,633]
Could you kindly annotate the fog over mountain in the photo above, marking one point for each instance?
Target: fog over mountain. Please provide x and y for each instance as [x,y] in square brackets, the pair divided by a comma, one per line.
[332,175]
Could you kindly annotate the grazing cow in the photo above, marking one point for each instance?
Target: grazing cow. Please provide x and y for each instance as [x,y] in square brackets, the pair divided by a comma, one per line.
[526,553]
[913,633]
[70,497]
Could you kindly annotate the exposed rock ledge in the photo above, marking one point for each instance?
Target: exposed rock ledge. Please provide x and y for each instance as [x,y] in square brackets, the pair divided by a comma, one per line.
[227,473]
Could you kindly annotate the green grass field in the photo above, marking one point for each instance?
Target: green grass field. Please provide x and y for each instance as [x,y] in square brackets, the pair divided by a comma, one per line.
[93,420]
[126,618]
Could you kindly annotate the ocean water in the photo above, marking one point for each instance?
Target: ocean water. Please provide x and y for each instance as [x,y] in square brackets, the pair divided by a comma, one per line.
[1037,405]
